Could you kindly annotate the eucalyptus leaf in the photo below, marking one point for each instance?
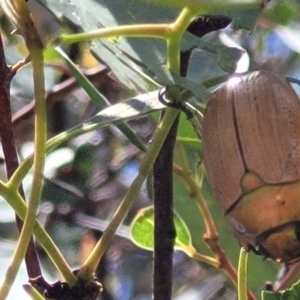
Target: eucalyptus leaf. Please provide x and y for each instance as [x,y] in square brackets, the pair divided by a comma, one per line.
[244,13]
[98,98]
[197,89]
[244,19]
[290,294]
[121,54]
[127,110]
[228,57]
[90,15]
[210,5]
[142,229]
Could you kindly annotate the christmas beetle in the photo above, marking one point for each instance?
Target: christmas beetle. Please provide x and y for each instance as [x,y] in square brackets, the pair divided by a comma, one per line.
[251,144]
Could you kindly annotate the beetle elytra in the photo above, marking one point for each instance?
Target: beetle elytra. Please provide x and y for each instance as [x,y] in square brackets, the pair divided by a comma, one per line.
[251,143]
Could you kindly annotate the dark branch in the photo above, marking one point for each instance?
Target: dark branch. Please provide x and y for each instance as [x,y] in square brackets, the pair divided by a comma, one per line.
[165,232]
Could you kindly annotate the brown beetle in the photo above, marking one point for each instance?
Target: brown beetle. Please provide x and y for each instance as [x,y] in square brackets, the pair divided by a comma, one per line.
[251,141]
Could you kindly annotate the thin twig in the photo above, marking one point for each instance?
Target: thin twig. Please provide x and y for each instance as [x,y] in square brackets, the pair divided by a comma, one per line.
[211,237]
[94,258]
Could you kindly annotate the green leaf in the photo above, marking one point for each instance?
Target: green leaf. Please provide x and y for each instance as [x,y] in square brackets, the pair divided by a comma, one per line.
[98,98]
[93,93]
[127,110]
[122,54]
[142,229]
[289,294]
[243,19]
[265,295]
[244,13]
[210,5]
[93,14]
[228,57]
[282,12]
[197,89]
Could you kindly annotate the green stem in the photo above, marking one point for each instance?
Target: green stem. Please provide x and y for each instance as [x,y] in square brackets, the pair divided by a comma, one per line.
[16,202]
[3,187]
[93,260]
[177,29]
[242,275]
[194,191]
[193,253]
[32,292]
[36,52]
[173,36]
[35,48]
[54,142]
[172,33]
[175,32]
[143,30]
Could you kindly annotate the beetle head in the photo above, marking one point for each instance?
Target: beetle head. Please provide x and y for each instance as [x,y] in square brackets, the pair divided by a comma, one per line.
[266,218]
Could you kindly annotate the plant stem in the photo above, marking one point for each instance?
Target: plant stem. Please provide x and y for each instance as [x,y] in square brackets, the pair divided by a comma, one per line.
[16,202]
[172,33]
[137,30]
[94,258]
[194,191]
[242,275]
[193,253]
[52,143]
[10,152]
[32,292]
[173,42]
[211,237]
[35,48]
[164,229]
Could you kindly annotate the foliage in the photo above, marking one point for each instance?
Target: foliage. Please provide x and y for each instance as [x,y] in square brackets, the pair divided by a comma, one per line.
[95,71]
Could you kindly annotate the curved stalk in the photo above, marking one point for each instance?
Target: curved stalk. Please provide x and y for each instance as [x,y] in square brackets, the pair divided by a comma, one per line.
[242,275]
[94,258]
[211,237]
[143,30]
[26,27]
[16,202]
